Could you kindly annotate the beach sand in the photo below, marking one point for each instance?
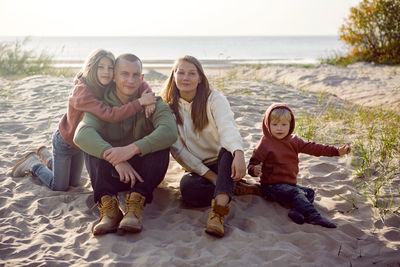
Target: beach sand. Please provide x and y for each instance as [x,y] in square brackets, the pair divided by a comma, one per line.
[42,227]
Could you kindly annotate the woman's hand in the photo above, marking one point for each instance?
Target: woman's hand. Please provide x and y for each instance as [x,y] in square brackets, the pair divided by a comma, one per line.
[238,166]
[211,176]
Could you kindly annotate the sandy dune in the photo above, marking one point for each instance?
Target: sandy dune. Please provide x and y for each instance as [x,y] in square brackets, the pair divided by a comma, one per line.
[42,227]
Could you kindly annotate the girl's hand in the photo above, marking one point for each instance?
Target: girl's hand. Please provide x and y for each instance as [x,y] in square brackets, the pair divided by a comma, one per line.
[149,110]
[343,150]
[147,99]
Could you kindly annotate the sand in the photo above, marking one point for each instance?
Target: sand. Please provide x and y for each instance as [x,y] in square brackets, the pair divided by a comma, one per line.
[42,227]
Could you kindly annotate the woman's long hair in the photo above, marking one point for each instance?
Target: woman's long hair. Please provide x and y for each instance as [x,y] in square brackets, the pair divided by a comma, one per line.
[89,71]
[170,95]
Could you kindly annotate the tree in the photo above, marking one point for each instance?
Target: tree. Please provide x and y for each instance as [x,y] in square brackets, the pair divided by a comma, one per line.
[372,31]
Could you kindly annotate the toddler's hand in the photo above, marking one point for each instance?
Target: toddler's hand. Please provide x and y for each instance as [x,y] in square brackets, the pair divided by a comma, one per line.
[258,170]
[344,150]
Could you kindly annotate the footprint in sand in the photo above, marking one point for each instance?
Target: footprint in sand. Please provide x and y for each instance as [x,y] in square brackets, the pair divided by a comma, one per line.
[323,168]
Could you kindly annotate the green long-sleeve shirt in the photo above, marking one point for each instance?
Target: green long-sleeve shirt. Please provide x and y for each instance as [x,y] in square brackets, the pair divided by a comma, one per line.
[158,132]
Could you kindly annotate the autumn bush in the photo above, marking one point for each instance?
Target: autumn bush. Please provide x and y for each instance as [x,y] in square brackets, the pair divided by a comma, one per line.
[372,32]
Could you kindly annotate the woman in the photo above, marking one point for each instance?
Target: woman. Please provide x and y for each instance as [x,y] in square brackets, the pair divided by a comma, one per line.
[209,146]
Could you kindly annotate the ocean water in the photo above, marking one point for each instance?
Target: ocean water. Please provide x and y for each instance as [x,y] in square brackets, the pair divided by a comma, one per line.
[233,49]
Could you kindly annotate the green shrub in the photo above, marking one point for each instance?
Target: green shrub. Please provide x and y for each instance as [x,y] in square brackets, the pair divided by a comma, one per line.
[372,31]
[17,61]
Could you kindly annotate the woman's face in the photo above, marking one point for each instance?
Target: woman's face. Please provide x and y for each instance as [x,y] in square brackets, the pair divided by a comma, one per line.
[105,70]
[187,78]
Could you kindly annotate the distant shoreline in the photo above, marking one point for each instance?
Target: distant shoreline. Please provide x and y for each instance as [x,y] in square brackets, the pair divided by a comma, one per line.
[207,63]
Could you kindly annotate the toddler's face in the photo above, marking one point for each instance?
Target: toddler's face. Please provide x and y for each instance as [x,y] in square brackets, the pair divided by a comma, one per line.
[279,128]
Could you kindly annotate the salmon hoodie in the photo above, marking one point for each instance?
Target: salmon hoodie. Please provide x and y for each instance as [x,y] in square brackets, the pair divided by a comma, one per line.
[280,156]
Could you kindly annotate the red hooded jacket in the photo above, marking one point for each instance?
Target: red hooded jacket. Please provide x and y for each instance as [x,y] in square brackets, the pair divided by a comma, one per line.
[280,156]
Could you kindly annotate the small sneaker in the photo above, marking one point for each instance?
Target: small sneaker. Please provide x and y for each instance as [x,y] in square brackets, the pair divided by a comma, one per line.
[24,166]
[319,220]
[44,155]
[296,216]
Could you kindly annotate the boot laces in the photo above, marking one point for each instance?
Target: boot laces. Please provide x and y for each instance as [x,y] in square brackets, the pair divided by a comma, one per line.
[105,208]
[134,206]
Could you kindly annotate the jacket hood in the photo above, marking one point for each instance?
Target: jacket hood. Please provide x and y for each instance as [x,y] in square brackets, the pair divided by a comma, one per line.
[266,121]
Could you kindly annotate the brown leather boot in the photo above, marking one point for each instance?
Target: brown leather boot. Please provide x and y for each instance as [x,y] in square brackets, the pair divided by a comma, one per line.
[245,188]
[216,218]
[110,216]
[134,205]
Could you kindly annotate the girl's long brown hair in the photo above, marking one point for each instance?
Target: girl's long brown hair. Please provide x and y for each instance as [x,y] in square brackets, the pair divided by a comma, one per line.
[89,71]
[170,95]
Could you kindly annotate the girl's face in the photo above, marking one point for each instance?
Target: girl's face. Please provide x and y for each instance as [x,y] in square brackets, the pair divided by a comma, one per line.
[279,128]
[187,79]
[105,70]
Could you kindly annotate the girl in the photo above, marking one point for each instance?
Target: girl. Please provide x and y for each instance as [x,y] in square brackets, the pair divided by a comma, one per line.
[209,144]
[63,168]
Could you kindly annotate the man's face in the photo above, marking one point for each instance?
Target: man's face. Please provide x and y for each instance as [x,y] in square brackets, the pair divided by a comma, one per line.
[128,78]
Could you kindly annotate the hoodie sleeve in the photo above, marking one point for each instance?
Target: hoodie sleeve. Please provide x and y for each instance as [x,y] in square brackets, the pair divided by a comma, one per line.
[256,158]
[315,149]
[84,100]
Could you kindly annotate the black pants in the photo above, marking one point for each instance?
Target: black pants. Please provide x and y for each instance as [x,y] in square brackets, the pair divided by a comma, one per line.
[300,197]
[198,191]
[105,179]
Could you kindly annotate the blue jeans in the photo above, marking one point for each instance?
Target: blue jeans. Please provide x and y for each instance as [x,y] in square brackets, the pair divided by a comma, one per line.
[198,191]
[300,197]
[152,168]
[66,166]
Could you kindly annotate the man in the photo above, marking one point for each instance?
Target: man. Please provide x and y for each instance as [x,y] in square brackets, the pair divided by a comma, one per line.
[130,155]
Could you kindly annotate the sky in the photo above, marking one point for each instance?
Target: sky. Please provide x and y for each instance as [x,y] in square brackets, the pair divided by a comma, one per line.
[172,17]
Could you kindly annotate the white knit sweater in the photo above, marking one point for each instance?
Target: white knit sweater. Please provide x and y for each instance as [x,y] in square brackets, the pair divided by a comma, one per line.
[195,149]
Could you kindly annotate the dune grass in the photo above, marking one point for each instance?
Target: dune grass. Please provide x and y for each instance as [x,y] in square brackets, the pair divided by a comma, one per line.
[16,61]
[372,134]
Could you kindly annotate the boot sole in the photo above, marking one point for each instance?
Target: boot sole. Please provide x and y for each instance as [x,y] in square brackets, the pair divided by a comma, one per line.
[105,231]
[130,229]
[214,233]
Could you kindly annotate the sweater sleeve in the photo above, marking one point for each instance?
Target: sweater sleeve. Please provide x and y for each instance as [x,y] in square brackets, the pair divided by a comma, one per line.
[165,131]
[83,99]
[227,129]
[315,149]
[186,159]
[87,137]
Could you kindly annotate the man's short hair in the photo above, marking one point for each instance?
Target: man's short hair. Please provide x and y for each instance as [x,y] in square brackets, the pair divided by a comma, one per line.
[129,57]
